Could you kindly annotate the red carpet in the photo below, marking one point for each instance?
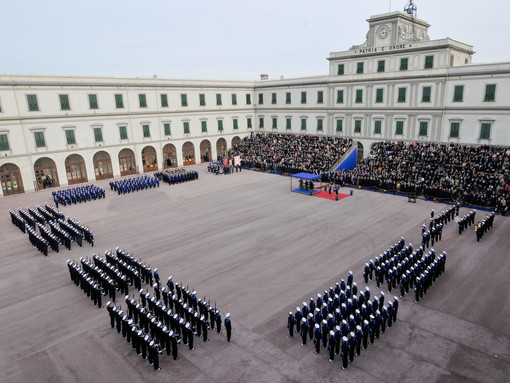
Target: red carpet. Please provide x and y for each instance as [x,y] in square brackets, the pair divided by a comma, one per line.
[325,194]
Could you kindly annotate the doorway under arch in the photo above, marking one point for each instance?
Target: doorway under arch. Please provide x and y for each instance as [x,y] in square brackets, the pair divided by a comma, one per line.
[46,174]
[10,178]
[102,165]
[75,169]
[188,153]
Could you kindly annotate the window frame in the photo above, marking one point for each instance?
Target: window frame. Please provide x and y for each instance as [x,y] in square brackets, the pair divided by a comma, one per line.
[424,93]
[164,100]
[93,104]
[98,133]
[119,101]
[142,100]
[123,129]
[32,107]
[146,130]
[404,63]
[458,93]
[70,134]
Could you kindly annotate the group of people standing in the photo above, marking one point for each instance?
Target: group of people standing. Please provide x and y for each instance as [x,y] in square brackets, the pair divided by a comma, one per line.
[177,176]
[77,195]
[133,184]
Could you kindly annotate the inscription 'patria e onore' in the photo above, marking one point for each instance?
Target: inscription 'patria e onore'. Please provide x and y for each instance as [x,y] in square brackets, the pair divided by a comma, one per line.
[384,49]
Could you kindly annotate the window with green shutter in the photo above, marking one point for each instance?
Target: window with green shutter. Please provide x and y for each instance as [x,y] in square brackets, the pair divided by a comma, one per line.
[359,68]
[71,140]
[184,99]
[426,94]
[164,100]
[287,98]
[424,125]
[458,94]
[203,124]
[303,124]
[248,123]
[454,129]
[166,127]
[32,103]
[340,69]
[39,139]
[357,126]
[248,99]
[119,103]
[236,123]
[273,98]
[261,122]
[485,131]
[379,93]
[218,99]
[93,101]
[220,125]
[303,97]
[288,123]
[320,123]
[320,97]
[377,127]
[64,102]
[142,100]
[359,96]
[429,62]
[201,99]
[123,132]
[339,96]
[339,125]
[404,63]
[146,130]
[399,128]
[381,65]
[490,92]
[185,126]
[275,123]
[261,99]
[4,142]
[402,94]
[234,99]
[98,134]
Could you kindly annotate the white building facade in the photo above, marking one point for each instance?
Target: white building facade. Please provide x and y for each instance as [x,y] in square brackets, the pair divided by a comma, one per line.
[398,85]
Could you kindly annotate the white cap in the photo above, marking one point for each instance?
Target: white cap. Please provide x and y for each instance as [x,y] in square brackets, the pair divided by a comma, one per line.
[331,333]
[317,325]
[228,315]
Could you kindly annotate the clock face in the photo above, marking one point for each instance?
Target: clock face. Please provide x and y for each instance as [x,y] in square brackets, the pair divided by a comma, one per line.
[383,32]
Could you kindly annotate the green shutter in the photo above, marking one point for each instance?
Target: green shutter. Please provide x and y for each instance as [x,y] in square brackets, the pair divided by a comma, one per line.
[234,99]
[201,99]
[119,104]
[220,125]
[98,134]
[339,125]
[146,130]
[218,99]
[426,94]
[123,132]
[399,130]
[185,125]
[275,123]
[288,123]
[490,92]
[454,129]
[236,124]
[273,98]
[70,137]
[39,139]
[303,97]
[339,96]
[485,131]
[423,128]
[303,124]
[357,126]
[184,99]
[248,122]
[380,66]
[359,68]
[261,122]
[164,101]
[458,95]
[287,98]
[377,127]
[320,122]
[429,62]
[64,101]
[404,63]
[402,94]
[261,99]
[340,70]
[379,95]
[143,100]
[166,127]
[248,99]
[359,96]
[203,124]
[320,97]
[93,101]
[32,103]
[4,142]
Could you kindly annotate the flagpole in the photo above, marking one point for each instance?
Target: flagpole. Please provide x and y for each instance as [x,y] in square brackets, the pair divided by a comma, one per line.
[389,10]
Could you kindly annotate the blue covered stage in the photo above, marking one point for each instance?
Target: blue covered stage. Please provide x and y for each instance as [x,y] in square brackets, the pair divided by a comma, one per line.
[306,177]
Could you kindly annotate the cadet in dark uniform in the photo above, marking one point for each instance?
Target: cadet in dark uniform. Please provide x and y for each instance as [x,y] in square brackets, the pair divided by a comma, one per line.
[317,338]
[228,327]
[304,331]
[290,324]
[331,346]
[345,352]
[205,324]
[218,321]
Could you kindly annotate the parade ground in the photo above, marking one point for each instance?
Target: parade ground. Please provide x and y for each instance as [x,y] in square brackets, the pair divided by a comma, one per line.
[248,244]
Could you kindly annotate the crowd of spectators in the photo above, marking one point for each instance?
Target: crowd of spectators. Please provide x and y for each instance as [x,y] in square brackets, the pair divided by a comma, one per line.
[289,153]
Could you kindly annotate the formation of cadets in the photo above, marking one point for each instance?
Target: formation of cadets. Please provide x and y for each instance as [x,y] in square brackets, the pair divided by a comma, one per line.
[59,232]
[77,195]
[484,226]
[342,320]
[218,168]
[157,322]
[177,176]
[133,184]
[467,220]
[435,230]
